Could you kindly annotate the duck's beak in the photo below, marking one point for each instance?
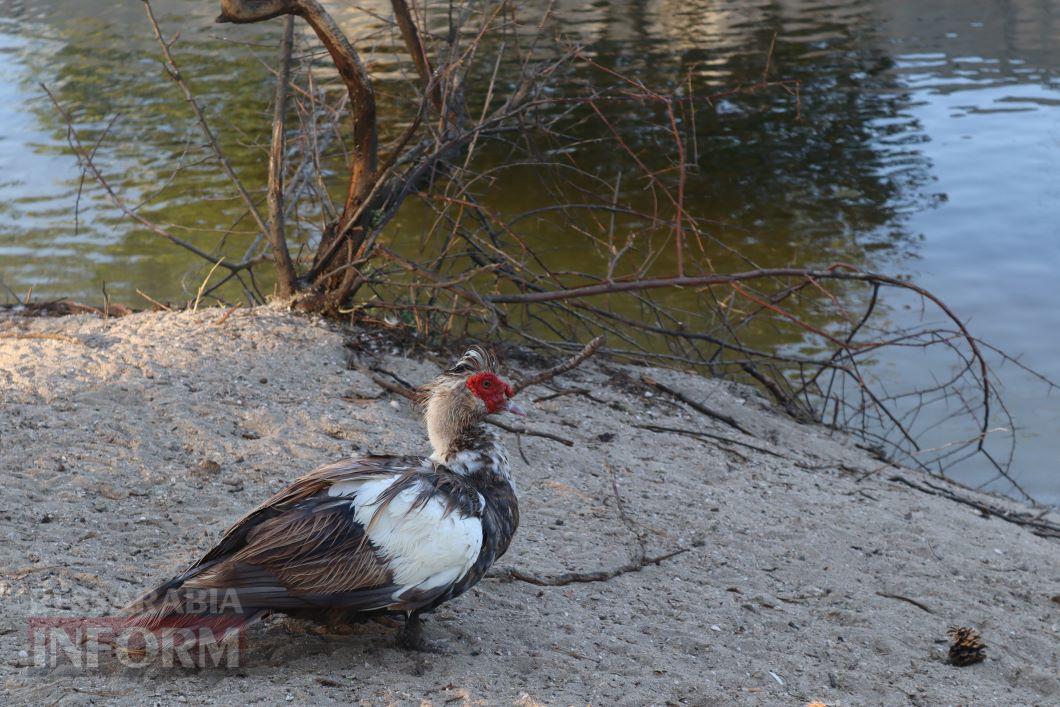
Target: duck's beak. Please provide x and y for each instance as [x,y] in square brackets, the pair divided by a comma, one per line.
[513,408]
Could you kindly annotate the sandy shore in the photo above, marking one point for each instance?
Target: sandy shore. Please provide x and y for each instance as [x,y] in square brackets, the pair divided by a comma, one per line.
[127,446]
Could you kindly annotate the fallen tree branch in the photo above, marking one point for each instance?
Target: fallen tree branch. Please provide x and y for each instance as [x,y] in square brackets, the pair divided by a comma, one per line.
[697,406]
[228,312]
[156,303]
[788,402]
[1039,526]
[407,393]
[572,362]
[642,560]
[630,524]
[709,435]
[510,574]
[573,391]
[63,307]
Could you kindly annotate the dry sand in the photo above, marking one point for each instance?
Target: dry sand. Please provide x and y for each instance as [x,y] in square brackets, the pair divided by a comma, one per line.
[127,446]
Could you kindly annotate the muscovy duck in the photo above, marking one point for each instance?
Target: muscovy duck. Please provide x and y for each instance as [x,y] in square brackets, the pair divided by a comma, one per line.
[369,536]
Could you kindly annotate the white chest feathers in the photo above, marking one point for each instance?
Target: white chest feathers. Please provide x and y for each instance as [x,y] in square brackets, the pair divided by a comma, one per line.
[425,547]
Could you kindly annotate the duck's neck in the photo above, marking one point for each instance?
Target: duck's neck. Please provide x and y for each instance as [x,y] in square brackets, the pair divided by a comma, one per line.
[444,433]
[471,451]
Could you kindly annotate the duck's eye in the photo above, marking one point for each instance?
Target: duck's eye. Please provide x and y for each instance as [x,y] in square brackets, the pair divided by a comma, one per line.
[486,383]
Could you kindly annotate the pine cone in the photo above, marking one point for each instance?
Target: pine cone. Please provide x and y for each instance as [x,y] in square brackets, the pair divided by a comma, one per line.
[968,646]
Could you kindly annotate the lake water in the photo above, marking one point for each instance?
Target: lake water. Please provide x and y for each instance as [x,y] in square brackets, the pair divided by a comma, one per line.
[927,145]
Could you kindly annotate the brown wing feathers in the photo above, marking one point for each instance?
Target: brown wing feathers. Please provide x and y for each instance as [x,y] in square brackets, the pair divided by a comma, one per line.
[303,548]
[294,550]
[318,551]
[315,483]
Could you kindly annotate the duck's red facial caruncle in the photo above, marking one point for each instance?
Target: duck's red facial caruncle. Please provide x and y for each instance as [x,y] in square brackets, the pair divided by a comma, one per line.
[493,392]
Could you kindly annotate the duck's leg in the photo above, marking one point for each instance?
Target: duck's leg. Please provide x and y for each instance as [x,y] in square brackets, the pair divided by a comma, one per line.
[412,638]
[336,622]
[325,622]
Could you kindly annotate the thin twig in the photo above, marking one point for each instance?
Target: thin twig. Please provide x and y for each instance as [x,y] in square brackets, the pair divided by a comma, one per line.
[1039,526]
[907,600]
[174,73]
[701,434]
[521,430]
[155,302]
[626,520]
[75,144]
[228,312]
[511,574]
[572,362]
[695,405]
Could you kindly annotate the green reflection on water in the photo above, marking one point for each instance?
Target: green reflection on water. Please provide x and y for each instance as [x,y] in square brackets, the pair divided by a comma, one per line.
[777,188]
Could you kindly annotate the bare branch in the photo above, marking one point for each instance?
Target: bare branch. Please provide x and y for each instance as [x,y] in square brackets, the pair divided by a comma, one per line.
[704,435]
[350,68]
[417,50]
[520,430]
[479,271]
[510,574]
[1037,524]
[87,161]
[247,11]
[573,362]
[695,405]
[285,274]
[174,73]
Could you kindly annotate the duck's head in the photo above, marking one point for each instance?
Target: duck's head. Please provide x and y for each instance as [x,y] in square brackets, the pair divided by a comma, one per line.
[460,398]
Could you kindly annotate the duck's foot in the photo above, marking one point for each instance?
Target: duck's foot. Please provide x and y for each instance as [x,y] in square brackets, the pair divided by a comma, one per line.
[339,629]
[411,638]
[293,626]
[389,621]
